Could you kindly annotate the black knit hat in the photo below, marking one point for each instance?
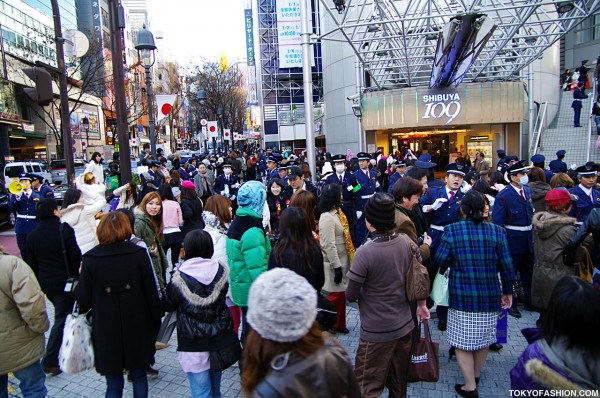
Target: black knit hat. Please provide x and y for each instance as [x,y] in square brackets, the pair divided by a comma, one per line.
[379,212]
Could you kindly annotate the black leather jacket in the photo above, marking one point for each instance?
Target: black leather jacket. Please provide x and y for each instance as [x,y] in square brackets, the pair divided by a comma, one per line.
[590,226]
[203,318]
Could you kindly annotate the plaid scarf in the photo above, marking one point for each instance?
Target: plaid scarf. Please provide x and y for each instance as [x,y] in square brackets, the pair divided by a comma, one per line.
[347,237]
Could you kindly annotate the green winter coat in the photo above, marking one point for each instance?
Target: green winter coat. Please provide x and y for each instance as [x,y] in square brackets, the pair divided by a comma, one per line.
[144,229]
[248,250]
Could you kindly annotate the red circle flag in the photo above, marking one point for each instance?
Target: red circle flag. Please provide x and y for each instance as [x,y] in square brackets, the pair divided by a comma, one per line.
[212,129]
[166,108]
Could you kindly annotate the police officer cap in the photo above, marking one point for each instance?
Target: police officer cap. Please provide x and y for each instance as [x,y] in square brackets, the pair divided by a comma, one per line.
[25,176]
[338,158]
[291,163]
[283,166]
[227,164]
[501,152]
[457,168]
[562,152]
[155,163]
[426,157]
[272,159]
[185,160]
[511,158]
[538,159]
[587,169]
[516,168]
[425,165]
[36,177]
[400,163]
[363,156]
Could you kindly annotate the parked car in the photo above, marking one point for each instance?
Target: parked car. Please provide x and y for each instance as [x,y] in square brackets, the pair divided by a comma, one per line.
[59,191]
[59,169]
[7,219]
[13,170]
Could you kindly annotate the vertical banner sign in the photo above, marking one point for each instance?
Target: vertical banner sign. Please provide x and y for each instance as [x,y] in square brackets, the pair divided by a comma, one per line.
[249,36]
[97,22]
[288,33]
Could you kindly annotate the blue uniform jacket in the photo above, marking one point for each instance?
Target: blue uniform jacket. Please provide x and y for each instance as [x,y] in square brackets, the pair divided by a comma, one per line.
[45,191]
[272,174]
[558,166]
[549,175]
[156,182]
[223,181]
[445,215]
[25,210]
[350,200]
[393,178]
[368,186]
[436,182]
[184,174]
[584,204]
[512,210]
[577,97]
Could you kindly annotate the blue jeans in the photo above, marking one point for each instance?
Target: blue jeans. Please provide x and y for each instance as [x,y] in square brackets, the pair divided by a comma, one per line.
[205,384]
[31,382]
[115,384]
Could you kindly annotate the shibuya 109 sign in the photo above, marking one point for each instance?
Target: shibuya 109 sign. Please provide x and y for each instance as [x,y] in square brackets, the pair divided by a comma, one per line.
[415,107]
[445,107]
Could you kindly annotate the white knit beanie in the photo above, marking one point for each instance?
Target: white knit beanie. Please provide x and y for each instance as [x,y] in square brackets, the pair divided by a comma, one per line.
[282,305]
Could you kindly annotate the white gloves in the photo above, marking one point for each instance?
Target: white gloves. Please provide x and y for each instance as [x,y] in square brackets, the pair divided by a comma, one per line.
[438,203]
[232,198]
[236,185]
[358,214]
[18,196]
[465,187]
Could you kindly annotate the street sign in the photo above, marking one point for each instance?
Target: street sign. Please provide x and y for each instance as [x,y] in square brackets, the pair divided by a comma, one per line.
[203,122]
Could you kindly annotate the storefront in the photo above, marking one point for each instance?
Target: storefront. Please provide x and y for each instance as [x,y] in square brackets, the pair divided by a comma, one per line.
[478,117]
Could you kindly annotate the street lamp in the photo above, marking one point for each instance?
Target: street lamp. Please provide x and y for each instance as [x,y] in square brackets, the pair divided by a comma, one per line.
[145,48]
[220,116]
[86,125]
[202,99]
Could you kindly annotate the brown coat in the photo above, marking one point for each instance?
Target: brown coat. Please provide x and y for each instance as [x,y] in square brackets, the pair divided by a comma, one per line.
[335,255]
[23,318]
[405,225]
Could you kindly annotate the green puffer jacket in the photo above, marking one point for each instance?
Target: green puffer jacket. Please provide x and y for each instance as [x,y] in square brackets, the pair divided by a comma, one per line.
[144,229]
[248,250]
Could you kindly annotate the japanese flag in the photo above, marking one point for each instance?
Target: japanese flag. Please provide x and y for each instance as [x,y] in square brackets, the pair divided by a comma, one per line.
[227,134]
[212,128]
[164,105]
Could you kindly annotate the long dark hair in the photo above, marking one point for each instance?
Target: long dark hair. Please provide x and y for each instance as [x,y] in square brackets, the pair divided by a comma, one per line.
[71,197]
[94,157]
[297,236]
[131,192]
[331,197]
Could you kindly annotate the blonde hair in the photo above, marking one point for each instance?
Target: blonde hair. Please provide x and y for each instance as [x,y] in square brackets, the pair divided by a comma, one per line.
[89,178]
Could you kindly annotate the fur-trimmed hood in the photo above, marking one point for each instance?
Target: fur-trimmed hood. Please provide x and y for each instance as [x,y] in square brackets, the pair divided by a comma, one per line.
[547,224]
[548,377]
[201,269]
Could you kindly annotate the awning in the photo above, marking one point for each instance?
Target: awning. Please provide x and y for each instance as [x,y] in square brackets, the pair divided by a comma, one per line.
[28,134]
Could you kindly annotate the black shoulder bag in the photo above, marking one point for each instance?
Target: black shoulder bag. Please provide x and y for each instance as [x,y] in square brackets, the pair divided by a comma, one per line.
[71,284]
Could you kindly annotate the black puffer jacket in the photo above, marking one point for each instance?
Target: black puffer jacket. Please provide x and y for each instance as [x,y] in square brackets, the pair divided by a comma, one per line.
[203,319]
[191,211]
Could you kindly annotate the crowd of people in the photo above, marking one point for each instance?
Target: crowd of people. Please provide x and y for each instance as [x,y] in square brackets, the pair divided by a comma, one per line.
[257,264]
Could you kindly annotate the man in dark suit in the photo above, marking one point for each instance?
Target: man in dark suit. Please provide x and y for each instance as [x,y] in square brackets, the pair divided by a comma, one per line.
[350,188]
[578,96]
[513,210]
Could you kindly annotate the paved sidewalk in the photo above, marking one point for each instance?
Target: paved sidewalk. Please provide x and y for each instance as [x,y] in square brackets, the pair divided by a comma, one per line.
[172,382]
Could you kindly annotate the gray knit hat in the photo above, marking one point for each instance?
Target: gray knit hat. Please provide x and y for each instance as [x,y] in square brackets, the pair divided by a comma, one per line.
[282,305]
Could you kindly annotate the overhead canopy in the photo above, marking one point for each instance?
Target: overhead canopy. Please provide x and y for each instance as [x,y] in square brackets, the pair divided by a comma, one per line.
[396,40]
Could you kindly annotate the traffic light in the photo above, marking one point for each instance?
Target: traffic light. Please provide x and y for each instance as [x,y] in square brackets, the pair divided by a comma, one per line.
[42,93]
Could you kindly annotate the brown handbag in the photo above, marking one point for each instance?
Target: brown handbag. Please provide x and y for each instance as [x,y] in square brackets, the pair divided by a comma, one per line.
[418,285]
[424,358]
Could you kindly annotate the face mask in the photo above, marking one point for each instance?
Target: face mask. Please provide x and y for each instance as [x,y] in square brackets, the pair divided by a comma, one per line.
[339,168]
[524,180]
[227,171]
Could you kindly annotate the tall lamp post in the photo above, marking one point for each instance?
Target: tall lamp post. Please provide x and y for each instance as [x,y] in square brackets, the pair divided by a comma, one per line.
[145,47]
[202,99]
[86,125]
[220,116]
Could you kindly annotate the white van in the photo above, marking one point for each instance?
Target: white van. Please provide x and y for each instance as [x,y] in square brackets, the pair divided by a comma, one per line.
[13,170]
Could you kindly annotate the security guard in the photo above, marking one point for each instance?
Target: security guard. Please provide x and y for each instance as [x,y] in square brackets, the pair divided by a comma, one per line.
[588,197]
[272,168]
[282,173]
[24,205]
[37,184]
[426,164]
[558,165]
[368,186]
[513,210]
[538,161]
[441,206]
[350,192]
[398,174]
[501,159]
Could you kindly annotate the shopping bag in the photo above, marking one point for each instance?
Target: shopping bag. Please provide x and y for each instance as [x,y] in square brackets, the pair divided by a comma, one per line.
[597,143]
[168,325]
[424,362]
[439,290]
[76,351]
[502,327]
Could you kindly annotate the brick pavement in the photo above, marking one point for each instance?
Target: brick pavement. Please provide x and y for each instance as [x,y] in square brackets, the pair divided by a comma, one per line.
[172,382]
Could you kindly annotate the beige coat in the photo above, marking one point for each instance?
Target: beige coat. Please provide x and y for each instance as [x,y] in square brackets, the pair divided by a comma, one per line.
[331,235]
[23,318]
[404,225]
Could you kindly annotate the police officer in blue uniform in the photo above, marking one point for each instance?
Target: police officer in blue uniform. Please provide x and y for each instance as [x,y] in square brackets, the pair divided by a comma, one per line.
[282,172]
[227,183]
[501,159]
[558,165]
[272,168]
[578,96]
[153,166]
[24,205]
[426,164]
[350,193]
[538,161]
[43,189]
[368,186]
[513,210]
[587,197]
[441,206]
[398,174]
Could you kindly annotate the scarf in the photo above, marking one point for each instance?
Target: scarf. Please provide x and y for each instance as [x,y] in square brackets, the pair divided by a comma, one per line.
[347,237]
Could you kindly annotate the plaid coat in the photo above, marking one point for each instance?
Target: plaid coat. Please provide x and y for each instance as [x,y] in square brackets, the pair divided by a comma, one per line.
[475,254]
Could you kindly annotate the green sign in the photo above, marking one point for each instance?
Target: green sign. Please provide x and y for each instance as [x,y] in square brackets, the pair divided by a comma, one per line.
[249,36]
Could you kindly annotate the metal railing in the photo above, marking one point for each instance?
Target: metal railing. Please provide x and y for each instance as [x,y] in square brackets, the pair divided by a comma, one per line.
[536,135]
[591,121]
